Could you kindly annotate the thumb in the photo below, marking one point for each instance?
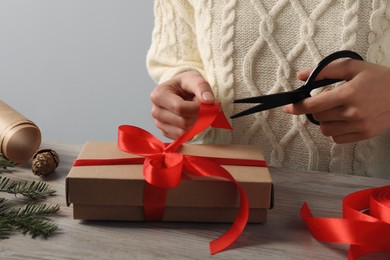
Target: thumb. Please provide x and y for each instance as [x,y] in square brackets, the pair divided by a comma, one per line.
[206,96]
[195,83]
[203,92]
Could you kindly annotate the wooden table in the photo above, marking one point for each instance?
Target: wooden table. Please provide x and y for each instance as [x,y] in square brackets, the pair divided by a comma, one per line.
[284,236]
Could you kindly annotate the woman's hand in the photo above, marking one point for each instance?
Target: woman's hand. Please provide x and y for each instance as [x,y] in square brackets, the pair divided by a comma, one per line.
[356,110]
[176,102]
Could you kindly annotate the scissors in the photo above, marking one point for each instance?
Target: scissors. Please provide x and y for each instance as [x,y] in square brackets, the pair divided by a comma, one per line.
[280,99]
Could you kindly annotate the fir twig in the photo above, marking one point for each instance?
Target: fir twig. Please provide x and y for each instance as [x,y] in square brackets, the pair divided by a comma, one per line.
[31,219]
[5,227]
[4,206]
[5,164]
[32,190]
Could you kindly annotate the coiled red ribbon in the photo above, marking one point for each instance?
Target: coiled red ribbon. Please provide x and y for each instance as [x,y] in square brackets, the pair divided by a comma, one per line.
[164,166]
[365,225]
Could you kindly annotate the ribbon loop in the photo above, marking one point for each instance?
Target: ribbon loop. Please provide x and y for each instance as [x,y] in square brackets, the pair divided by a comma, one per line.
[365,224]
[138,141]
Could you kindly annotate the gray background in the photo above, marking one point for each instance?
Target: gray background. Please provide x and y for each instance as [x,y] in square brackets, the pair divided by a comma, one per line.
[77,68]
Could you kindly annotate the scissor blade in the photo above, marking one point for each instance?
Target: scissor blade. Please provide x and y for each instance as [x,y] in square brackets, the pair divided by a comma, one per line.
[277,97]
[248,111]
[280,99]
[269,102]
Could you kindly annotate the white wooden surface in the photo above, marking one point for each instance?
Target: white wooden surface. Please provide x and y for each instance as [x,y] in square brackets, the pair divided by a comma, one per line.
[284,236]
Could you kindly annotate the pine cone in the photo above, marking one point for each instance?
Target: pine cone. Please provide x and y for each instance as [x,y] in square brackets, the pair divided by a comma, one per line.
[44,162]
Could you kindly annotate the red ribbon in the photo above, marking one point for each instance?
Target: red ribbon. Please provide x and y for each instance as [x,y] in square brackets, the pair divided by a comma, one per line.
[365,225]
[164,166]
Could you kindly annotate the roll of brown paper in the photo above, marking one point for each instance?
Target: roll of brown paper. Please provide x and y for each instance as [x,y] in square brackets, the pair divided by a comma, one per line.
[19,137]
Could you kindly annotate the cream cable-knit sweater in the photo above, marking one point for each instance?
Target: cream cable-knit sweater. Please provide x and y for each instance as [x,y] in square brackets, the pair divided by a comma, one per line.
[253,47]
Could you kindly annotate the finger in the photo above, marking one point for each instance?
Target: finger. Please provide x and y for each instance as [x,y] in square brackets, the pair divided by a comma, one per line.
[335,114]
[166,97]
[345,132]
[183,108]
[344,69]
[337,128]
[321,102]
[169,131]
[196,84]
[350,137]
[304,74]
[168,117]
[347,138]
[342,131]
[338,69]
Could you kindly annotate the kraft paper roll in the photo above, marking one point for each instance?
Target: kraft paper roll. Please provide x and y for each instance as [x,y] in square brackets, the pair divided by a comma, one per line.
[20,138]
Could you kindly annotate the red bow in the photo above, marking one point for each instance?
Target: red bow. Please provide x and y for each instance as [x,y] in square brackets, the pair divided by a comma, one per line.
[164,166]
[366,233]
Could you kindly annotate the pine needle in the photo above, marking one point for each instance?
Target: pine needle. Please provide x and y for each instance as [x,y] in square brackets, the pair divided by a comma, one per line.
[32,190]
[31,218]
[5,164]
[4,206]
[5,227]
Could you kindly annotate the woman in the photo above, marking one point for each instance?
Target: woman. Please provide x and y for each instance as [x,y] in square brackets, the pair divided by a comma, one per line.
[208,51]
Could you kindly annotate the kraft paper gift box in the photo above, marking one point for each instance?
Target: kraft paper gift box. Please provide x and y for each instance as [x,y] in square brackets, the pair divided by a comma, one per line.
[115,192]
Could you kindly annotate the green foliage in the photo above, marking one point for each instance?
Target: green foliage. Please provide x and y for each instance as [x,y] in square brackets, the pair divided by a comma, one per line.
[32,190]
[30,218]
[5,228]
[5,164]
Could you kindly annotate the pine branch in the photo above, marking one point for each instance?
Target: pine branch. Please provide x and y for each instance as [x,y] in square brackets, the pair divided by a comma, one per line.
[36,209]
[30,219]
[5,164]
[4,206]
[32,190]
[36,226]
[5,227]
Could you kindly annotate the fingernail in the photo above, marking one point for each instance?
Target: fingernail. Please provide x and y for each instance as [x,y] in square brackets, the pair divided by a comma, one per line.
[207,96]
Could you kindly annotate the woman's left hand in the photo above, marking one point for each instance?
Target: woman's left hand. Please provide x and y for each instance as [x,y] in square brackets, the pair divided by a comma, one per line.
[356,110]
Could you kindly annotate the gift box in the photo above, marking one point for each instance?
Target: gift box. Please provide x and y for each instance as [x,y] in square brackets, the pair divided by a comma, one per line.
[116,192]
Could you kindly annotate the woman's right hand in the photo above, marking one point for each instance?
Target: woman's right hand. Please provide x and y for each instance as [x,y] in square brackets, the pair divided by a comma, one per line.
[176,102]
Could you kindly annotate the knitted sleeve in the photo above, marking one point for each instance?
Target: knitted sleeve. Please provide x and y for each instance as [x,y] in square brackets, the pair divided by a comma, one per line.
[174,46]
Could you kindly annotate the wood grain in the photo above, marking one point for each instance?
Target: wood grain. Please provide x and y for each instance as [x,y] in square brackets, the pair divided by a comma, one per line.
[284,236]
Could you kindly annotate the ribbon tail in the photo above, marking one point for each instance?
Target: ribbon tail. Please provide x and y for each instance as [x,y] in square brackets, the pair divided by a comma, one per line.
[235,230]
[209,115]
[221,122]
[203,167]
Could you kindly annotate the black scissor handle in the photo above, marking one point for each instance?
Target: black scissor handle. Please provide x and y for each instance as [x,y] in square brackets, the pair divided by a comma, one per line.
[322,64]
